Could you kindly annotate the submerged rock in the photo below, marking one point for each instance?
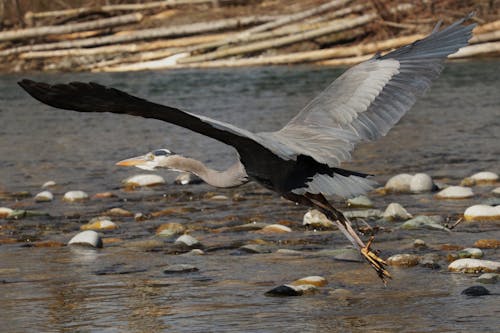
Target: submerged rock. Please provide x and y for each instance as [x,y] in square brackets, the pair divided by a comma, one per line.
[424,222]
[44,196]
[455,192]
[482,213]
[399,183]
[119,212]
[170,229]
[430,260]
[291,290]
[74,196]
[476,291]
[480,178]
[316,219]
[275,229]
[144,180]
[421,182]
[87,238]
[180,268]
[470,252]
[474,266]
[314,280]
[488,278]
[360,202]
[188,241]
[395,211]
[49,183]
[403,260]
[100,223]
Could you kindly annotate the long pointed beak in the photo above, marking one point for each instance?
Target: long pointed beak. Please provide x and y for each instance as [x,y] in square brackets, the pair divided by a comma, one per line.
[134,161]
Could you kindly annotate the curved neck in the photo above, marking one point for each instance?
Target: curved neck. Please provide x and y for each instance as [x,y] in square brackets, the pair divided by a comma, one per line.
[233,176]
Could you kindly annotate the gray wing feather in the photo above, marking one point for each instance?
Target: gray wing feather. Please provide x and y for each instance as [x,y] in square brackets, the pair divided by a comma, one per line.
[367,100]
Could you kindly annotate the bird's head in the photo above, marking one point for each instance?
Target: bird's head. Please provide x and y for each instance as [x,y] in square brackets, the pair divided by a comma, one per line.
[158,158]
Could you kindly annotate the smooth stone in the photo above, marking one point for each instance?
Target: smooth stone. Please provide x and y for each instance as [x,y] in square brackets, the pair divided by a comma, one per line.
[194,252]
[496,191]
[44,196]
[485,176]
[186,178]
[395,211]
[119,212]
[488,278]
[455,192]
[421,182]
[430,260]
[424,222]
[254,248]
[474,266]
[144,180]
[180,268]
[103,195]
[219,197]
[487,243]
[248,226]
[87,238]
[170,229]
[476,291]
[360,202]
[291,290]
[403,260]
[482,213]
[419,243]
[316,219]
[399,183]
[73,196]
[49,183]
[314,280]
[100,223]
[187,240]
[363,214]
[470,252]
[5,212]
[275,229]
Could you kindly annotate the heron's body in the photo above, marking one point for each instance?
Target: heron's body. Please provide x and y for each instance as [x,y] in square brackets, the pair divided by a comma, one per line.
[302,160]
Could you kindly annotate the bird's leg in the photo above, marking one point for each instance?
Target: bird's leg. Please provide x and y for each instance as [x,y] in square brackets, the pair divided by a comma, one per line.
[320,202]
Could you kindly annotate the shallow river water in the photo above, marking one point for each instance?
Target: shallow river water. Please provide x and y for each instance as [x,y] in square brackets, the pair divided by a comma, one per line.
[452,132]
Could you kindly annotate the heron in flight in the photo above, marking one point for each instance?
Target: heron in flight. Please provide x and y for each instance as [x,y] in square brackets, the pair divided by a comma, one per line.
[301,161]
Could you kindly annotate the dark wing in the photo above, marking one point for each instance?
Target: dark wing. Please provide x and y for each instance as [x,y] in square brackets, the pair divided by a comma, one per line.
[368,99]
[93,97]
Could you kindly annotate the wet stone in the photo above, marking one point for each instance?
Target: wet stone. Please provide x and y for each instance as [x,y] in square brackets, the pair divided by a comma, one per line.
[119,212]
[403,260]
[119,269]
[49,183]
[480,178]
[424,222]
[44,196]
[102,223]
[455,192]
[421,182]
[103,195]
[470,253]
[75,196]
[170,229]
[360,202]
[474,266]
[430,260]
[5,212]
[395,211]
[488,278]
[487,243]
[254,249]
[180,268]
[87,238]
[248,227]
[291,290]
[275,229]
[399,183]
[188,241]
[317,220]
[482,213]
[219,197]
[419,243]
[314,280]
[144,180]
[496,191]
[476,291]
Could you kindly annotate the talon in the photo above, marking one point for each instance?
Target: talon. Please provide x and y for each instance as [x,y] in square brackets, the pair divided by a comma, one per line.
[375,261]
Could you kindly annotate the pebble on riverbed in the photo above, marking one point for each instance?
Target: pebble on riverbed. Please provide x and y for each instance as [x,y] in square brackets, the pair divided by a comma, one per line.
[455,192]
[421,182]
[314,280]
[403,260]
[474,266]
[119,212]
[170,229]
[424,222]
[75,196]
[5,212]
[87,238]
[102,223]
[317,220]
[488,278]
[406,183]
[360,202]
[49,183]
[44,196]
[496,191]
[290,290]
[274,229]
[482,213]
[480,178]
[143,180]
[188,241]
[395,211]
[476,291]
[399,183]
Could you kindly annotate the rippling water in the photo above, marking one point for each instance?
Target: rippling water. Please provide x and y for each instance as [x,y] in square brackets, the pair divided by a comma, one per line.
[452,132]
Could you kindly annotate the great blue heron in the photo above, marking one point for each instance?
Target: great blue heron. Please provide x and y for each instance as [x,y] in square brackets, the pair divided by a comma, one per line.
[300,161]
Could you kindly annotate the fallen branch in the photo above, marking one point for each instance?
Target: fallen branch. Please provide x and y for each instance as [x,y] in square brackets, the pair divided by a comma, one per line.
[477,49]
[70,28]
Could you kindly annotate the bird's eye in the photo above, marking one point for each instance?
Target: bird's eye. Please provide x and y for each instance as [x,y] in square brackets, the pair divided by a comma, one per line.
[161,152]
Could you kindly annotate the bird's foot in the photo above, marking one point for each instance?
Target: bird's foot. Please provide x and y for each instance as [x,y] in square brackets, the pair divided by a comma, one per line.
[376,262]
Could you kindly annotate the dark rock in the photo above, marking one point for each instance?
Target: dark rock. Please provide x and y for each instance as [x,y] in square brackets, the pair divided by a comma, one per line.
[476,291]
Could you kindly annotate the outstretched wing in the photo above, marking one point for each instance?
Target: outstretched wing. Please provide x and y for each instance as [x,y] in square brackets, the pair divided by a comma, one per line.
[93,97]
[368,99]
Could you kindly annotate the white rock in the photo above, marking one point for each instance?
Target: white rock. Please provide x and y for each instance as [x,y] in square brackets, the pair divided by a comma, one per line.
[88,238]
[50,183]
[219,197]
[314,280]
[144,180]
[316,219]
[455,192]
[44,196]
[100,223]
[496,191]
[360,202]
[399,183]
[187,240]
[482,213]
[396,212]
[5,212]
[470,252]
[421,182]
[72,196]
[485,176]
[275,228]
[474,266]
[403,259]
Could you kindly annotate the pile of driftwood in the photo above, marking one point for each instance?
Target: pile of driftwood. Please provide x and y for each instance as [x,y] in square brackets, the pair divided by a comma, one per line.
[326,32]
